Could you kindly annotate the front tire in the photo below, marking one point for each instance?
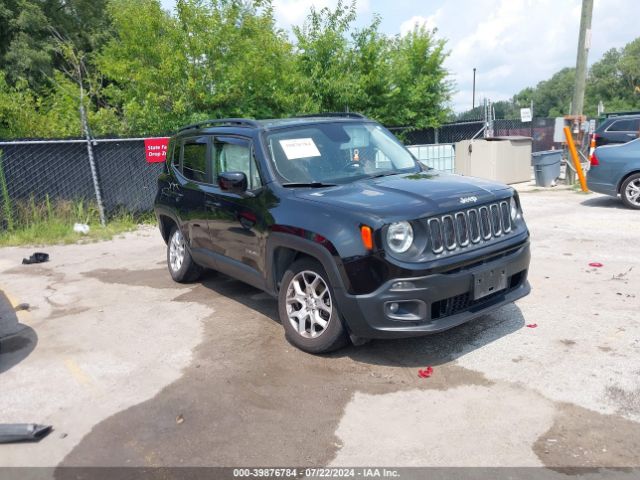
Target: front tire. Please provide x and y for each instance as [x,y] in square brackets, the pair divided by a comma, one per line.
[307,309]
[181,266]
[630,191]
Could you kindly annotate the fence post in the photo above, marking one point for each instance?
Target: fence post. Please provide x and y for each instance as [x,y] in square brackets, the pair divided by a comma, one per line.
[92,164]
[7,207]
[435,131]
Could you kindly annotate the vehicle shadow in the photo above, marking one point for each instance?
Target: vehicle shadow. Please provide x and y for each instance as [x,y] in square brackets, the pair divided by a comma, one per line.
[439,348]
[16,347]
[604,201]
[17,340]
[241,292]
[433,349]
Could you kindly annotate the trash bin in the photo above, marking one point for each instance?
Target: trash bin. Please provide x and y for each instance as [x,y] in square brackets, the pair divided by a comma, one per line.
[546,166]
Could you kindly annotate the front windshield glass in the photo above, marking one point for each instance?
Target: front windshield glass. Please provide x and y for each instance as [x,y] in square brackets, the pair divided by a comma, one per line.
[336,153]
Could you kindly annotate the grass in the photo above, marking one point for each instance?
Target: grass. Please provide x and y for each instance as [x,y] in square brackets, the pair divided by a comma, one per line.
[48,223]
[578,189]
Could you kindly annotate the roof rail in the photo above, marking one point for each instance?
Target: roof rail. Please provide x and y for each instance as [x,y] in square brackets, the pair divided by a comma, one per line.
[332,114]
[236,122]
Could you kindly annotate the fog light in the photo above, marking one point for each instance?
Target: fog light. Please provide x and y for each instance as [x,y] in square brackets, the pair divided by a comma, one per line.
[402,286]
[393,307]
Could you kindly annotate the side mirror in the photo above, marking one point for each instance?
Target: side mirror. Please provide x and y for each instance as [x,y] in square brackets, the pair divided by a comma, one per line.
[233,182]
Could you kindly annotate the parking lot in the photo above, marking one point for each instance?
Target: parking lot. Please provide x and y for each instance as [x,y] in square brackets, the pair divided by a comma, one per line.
[132,369]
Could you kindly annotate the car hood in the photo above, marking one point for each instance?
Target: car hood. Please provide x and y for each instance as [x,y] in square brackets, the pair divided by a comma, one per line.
[408,196]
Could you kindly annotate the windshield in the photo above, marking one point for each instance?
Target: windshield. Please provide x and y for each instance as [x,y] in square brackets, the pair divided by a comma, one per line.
[336,153]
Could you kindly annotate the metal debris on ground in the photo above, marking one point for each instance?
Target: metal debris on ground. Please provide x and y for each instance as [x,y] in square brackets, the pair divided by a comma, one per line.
[621,276]
[23,432]
[37,257]
[179,419]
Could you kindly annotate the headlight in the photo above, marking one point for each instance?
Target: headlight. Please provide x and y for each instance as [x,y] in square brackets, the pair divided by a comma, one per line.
[514,208]
[399,236]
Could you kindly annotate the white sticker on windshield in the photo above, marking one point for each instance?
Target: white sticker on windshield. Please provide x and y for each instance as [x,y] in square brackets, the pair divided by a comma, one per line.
[299,148]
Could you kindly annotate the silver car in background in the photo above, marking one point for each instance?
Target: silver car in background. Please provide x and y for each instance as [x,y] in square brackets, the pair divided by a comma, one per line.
[615,170]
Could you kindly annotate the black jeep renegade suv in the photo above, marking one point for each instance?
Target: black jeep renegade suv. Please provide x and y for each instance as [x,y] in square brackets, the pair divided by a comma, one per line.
[336,218]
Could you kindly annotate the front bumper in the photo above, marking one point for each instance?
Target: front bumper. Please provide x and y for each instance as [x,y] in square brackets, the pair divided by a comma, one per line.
[436,302]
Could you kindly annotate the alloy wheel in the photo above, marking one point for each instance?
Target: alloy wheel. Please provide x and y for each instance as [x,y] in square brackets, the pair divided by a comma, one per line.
[632,192]
[308,303]
[176,251]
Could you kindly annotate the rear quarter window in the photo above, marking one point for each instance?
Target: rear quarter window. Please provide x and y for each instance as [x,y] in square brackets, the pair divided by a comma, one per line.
[174,154]
[194,160]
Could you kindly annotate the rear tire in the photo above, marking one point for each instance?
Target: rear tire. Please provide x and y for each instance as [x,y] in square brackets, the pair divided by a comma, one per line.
[181,266]
[307,309]
[630,191]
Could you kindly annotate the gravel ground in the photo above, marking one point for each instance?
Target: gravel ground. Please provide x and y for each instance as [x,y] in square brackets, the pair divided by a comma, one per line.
[132,369]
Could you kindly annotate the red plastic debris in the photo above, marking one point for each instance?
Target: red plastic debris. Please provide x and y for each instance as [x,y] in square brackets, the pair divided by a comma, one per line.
[426,373]
[532,325]
[596,264]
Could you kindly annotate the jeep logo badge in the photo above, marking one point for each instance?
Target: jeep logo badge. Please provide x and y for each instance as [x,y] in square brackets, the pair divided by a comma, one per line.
[468,199]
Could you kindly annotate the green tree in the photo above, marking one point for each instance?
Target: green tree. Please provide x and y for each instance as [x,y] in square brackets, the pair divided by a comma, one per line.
[145,71]
[372,71]
[25,52]
[213,58]
[26,28]
[399,80]
[614,80]
[420,89]
[25,114]
[551,98]
[324,59]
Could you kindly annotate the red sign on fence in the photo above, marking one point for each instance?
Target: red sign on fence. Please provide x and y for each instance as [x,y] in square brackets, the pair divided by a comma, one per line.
[155,149]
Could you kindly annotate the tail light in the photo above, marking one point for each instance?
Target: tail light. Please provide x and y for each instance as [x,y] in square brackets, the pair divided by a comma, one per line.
[594,160]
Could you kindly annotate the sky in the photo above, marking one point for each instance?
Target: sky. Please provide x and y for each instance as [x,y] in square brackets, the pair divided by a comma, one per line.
[512,44]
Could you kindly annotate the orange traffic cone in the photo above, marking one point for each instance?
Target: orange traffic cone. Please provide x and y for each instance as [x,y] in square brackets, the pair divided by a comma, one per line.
[592,145]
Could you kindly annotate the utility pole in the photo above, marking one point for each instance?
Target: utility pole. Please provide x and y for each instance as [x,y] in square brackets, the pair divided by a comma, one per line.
[584,43]
[473,102]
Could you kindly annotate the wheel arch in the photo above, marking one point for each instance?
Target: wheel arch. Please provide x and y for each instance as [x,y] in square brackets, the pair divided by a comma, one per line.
[625,177]
[284,249]
[166,224]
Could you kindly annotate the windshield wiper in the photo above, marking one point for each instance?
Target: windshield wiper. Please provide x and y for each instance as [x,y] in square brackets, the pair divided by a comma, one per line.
[308,185]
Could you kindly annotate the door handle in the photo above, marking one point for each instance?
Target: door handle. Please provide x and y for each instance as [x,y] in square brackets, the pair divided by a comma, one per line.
[632,135]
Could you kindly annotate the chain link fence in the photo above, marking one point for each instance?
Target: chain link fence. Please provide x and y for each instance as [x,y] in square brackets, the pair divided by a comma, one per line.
[539,129]
[51,170]
[447,133]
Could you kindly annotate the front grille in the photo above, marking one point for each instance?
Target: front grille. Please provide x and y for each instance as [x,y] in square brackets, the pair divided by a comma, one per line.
[466,228]
[450,306]
[459,303]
